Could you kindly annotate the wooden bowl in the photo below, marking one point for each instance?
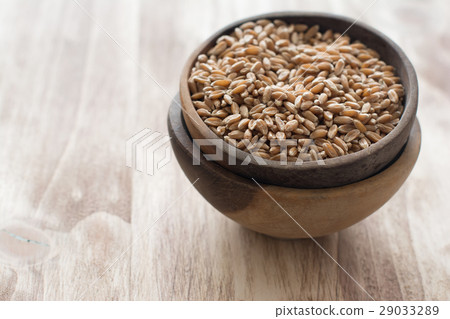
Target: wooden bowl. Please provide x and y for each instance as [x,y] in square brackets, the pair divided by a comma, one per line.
[337,171]
[318,211]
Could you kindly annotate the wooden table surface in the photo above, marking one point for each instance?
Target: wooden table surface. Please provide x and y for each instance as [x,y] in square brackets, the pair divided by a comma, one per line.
[77,80]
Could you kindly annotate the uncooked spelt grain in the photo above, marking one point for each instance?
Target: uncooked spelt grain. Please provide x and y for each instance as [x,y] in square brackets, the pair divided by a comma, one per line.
[269,80]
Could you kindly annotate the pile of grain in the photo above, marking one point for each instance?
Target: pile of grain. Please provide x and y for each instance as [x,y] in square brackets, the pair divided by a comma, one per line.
[270,83]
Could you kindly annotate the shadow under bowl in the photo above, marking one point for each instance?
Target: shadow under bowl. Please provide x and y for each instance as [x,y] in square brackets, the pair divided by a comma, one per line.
[271,209]
[337,171]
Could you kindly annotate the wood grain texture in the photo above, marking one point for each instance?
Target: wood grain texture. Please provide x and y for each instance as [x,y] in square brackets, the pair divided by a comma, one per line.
[70,97]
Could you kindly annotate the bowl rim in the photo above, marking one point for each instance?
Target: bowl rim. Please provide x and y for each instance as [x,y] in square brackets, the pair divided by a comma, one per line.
[413,144]
[408,116]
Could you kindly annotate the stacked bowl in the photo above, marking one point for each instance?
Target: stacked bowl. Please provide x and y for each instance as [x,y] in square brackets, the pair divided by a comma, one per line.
[284,199]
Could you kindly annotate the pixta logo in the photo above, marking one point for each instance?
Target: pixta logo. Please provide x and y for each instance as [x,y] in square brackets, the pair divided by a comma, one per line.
[148,151]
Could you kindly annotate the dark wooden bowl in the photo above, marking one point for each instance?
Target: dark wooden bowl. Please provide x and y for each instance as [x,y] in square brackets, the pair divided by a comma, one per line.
[337,171]
[318,211]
